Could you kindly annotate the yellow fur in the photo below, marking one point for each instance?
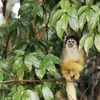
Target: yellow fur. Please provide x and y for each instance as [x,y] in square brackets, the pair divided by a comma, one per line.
[70,69]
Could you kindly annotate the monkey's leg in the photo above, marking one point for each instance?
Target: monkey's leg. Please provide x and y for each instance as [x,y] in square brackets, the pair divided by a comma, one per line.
[73,66]
[77,76]
[66,74]
[71,73]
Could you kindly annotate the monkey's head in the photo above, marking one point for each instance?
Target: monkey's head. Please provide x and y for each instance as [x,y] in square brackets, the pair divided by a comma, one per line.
[72,42]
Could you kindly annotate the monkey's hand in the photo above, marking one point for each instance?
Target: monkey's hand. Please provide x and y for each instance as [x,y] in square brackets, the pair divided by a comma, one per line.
[71,69]
[70,74]
[74,66]
[66,74]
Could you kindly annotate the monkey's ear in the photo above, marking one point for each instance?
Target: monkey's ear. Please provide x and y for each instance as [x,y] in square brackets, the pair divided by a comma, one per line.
[64,40]
[65,36]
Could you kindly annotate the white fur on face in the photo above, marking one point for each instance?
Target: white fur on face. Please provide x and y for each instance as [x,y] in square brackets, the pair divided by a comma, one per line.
[73,52]
[74,43]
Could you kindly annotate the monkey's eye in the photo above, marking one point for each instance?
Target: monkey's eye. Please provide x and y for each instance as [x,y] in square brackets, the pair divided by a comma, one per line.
[74,42]
[69,41]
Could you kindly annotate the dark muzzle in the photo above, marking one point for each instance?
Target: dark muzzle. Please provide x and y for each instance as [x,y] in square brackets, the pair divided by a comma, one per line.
[70,45]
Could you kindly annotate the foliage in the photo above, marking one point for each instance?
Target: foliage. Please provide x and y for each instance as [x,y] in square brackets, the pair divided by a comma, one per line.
[37,38]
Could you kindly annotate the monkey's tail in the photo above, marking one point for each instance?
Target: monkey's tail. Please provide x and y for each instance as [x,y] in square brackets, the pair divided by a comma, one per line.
[71,91]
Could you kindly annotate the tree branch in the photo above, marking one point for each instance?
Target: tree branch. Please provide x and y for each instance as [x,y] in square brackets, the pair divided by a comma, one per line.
[56,79]
[88,75]
[7,22]
[85,92]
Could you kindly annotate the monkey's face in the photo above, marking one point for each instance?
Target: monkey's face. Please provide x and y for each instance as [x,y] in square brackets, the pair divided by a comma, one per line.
[71,44]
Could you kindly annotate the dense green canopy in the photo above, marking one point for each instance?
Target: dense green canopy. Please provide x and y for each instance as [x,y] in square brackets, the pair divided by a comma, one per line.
[31,43]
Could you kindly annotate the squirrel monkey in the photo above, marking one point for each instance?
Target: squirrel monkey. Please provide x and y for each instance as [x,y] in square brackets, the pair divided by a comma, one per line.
[72,64]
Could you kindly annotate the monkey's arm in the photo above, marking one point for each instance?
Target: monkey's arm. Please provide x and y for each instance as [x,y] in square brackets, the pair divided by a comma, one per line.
[70,65]
[70,69]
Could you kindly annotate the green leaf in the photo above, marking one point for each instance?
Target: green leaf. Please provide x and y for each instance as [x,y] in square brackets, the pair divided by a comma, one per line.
[95,8]
[54,10]
[58,74]
[17,64]
[40,72]
[94,20]
[48,64]
[82,41]
[13,89]
[98,4]
[72,12]
[99,26]
[19,92]
[12,25]
[28,62]
[59,29]
[82,9]
[21,28]
[40,50]
[44,64]
[25,22]
[32,60]
[51,85]
[54,59]
[56,15]
[82,20]
[47,94]
[73,23]
[39,23]
[97,42]
[39,89]
[20,88]
[28,1]
[4,64]
[98,67]
[88,43]
[51,68]
[75,2]
[89,2]
[65,4]
[38,10]
[19,52]
[26,98]
[64,22]
[32,95]
[88,17]
[25,8]
[20,73]
[17,95]
[1,76]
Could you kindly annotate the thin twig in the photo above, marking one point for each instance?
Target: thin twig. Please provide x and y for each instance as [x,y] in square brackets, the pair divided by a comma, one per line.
[85,92]
[11,75]
[11,86]
[47,27]
[88,75]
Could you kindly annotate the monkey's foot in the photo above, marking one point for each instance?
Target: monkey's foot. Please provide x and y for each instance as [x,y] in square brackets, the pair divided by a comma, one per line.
[76,76]
[67,77]
[71,73]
